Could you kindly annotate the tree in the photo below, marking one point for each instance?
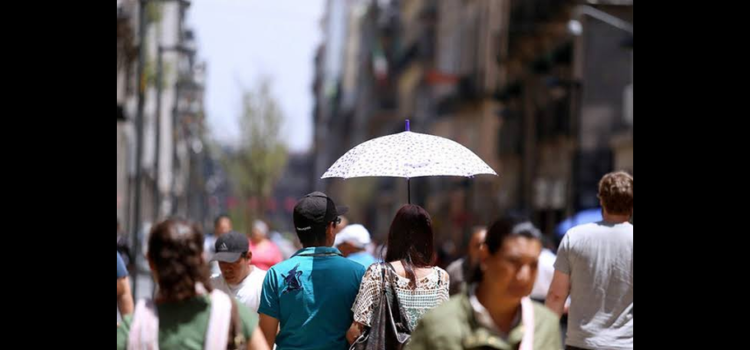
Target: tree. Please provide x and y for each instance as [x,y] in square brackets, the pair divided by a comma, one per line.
[257,165]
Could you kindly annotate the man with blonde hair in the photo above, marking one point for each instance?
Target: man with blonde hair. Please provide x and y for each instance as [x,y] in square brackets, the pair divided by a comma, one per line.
[594,267]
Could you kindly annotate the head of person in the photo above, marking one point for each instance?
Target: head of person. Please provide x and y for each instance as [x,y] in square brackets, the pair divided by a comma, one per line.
[475,243]
[175,254]
[222,225]
[259,231]
[410,239]
[616,193]
[352,239]
[509,258]
[233,255]
[315,218]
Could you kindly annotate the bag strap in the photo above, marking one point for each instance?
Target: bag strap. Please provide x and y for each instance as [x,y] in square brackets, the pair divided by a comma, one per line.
[396,300]
[219,321]
[144,330]
[382,276]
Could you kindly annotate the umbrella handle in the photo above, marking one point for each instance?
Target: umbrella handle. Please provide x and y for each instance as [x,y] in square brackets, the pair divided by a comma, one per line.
[408,180]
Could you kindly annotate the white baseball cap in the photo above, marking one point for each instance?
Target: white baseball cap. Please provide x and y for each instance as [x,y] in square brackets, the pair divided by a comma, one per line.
[355,234]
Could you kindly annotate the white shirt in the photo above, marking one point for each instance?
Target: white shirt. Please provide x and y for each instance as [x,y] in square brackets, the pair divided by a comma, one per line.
[544,274]
[247,291]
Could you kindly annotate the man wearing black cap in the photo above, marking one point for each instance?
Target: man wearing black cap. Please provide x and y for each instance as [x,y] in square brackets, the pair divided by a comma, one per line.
[309,297]
[238,277]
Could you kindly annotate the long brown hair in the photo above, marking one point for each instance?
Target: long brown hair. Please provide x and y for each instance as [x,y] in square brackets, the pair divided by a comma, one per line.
[410,239]
[176,249]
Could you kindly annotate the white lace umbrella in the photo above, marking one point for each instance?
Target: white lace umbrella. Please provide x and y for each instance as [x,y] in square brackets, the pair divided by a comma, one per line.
[408,154]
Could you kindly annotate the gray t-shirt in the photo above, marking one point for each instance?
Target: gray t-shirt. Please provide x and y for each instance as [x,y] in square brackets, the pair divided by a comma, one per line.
[599,259]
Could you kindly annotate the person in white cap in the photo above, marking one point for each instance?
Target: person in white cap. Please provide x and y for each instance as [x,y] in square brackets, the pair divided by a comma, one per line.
[352,241]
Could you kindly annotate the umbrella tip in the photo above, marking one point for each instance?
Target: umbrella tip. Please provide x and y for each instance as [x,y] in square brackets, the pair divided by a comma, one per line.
[407,125]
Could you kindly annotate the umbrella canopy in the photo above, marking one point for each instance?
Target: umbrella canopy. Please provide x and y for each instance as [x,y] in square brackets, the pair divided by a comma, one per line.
[408,154]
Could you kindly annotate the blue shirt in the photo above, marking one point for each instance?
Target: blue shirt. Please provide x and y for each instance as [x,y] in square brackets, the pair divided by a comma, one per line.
[311,294]
[364,258]
[121,270]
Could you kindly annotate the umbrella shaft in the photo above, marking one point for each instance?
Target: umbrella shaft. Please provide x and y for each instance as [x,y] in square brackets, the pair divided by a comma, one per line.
[408,189]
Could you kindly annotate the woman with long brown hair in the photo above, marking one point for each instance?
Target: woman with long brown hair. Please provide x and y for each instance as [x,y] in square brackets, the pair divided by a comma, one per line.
[186,313]
[410,270]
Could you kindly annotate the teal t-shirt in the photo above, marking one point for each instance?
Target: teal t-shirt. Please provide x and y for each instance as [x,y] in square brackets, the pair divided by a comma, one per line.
[311,294]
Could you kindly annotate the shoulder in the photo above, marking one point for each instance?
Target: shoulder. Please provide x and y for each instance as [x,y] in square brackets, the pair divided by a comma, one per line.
[283,266]
[451,312]
[348,264]
[581,230]
[455,266]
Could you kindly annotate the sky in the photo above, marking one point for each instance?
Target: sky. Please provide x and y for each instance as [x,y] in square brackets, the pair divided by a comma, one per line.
[242,41]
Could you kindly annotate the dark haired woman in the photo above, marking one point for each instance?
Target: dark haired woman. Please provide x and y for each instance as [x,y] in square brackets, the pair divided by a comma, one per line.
[186,313]
[419,284]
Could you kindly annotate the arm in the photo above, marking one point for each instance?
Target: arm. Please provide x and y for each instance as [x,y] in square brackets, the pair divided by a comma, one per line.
[369,291]
[124,298]
[558,292]
[257,341]
[269,326]
[354,331]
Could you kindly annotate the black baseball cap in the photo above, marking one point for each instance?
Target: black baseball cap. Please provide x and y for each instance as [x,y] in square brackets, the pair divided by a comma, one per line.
[230,246]
[316,210]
